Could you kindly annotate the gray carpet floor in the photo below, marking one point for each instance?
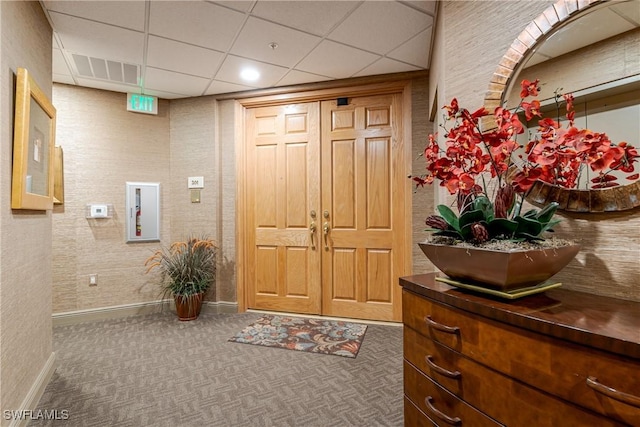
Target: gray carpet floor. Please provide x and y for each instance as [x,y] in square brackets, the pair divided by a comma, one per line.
[154,370]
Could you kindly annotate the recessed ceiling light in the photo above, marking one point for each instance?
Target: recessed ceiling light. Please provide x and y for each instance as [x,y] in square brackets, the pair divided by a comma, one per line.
[250,74]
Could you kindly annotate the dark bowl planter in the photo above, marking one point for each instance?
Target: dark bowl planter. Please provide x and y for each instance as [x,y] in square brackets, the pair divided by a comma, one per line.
[188,307]
[500,270]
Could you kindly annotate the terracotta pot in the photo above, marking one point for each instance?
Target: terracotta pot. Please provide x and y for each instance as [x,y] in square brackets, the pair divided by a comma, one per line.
[188,308]
[499,270]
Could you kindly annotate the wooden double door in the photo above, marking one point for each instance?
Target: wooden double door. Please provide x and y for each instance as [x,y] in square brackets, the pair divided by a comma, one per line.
[326,191]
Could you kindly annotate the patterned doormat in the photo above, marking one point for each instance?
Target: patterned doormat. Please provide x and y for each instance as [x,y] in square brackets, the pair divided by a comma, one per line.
[311,335]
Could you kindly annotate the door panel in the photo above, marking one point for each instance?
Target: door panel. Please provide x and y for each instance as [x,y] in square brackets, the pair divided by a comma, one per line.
[362,161]
[348,165]
[283,269]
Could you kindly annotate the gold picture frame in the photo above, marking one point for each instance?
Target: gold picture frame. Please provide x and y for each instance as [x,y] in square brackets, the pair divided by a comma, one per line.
[58,176]
[32,185]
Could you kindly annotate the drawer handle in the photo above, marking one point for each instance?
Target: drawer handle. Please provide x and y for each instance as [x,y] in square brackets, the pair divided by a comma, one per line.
[442,371]
[441,327]
[454,421]
[627,398]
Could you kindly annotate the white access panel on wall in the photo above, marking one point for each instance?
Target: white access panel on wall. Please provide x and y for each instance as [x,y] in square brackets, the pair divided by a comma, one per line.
[143,211]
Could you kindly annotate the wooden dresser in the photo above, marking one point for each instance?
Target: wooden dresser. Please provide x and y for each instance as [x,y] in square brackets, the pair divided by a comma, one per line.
[560,358]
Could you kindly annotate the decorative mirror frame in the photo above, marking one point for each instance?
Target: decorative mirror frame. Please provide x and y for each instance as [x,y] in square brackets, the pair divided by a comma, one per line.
[21,197]
[595,200]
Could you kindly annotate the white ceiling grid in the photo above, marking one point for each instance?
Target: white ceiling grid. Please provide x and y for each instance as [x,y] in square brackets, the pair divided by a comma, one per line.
[193,48]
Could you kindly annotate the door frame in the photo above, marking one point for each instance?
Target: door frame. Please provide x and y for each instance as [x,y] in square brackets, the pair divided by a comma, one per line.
[403,87]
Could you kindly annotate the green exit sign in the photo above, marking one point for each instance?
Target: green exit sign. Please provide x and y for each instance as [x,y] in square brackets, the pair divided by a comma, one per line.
[142,103]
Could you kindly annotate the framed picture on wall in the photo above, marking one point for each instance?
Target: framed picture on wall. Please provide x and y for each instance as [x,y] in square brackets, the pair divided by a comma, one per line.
[32,185]
[58,176]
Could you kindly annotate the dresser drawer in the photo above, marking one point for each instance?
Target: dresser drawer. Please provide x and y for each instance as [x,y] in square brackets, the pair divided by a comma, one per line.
[413,417]
[484,388]
[557,367]
[442,407]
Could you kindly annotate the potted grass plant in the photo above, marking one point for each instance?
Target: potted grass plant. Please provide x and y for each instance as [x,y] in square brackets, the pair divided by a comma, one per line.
[187,270]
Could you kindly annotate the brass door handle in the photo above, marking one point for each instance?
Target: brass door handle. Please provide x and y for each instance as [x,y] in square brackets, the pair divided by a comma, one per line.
[312,232]
[325,229]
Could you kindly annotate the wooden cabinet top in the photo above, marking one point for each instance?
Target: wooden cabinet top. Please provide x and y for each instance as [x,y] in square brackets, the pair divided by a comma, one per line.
[608,324]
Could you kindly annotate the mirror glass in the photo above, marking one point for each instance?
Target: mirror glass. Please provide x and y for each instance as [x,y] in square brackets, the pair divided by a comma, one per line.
[597,50]
[596,57]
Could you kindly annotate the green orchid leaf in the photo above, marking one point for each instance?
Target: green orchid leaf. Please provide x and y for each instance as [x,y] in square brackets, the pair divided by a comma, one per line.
[502,227]
[470,217]
[483,204]
[532,213]
[548,212]
[449,216]
[548,226]
[528,226]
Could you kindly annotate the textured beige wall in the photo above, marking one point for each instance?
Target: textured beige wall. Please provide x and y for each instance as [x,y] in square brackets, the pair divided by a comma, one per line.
[474,37]
[227,231]
[25,236]
[183,140]
[194,153]
[104,147]
[423,200]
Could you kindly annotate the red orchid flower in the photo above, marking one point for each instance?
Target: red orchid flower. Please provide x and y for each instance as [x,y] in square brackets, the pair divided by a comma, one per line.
[463,183]
[452,109]
[557,155]
[531,109]
[529,88]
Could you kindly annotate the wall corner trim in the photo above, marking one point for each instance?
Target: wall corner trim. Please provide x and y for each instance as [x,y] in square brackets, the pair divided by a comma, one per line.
[36,391]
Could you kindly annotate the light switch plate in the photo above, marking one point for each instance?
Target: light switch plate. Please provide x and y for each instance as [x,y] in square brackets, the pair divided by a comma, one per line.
[195,182]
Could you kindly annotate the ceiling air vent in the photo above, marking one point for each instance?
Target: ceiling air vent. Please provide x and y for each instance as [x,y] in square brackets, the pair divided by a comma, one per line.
[104,69]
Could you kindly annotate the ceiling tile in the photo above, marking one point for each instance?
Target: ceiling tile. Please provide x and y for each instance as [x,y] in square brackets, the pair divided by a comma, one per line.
[163,94]
[233,65]
[253,42]
[415,51]
[295,77]
[316,17]
[200,23]
[59,64]
[183,58]
[336,60]
[396,23]
[241,5]
[428,6]
[91,38]
[224,87]
[156,79]
[386,66]
[126,14]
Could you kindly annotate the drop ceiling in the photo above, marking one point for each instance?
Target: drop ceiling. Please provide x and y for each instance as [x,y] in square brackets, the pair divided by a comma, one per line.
[178,49]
